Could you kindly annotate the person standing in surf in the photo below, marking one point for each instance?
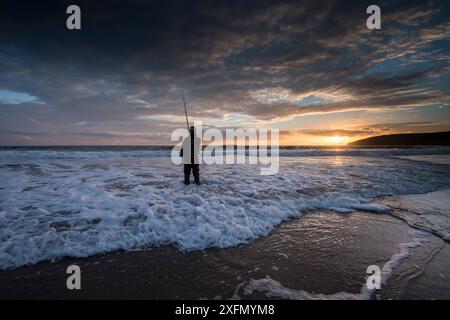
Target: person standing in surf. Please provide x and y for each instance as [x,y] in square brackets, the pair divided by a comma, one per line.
[190,154]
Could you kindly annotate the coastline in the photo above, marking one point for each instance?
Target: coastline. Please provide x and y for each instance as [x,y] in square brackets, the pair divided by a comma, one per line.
[326,260]
[314,234]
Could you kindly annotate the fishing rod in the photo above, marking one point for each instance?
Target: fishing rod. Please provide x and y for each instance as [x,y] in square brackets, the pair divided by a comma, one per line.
[185,111]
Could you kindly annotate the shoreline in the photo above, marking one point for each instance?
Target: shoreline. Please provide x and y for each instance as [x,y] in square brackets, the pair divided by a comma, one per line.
[325,258]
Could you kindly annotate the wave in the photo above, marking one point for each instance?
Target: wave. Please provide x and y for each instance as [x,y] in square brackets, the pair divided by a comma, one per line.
[274,289]
[52,208]
[165,151]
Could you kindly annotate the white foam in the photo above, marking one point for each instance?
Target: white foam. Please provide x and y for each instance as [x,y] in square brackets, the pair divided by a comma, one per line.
[439,200]
[439,159]
[429,211]
[405,251]
[346,204]
[57,204]
[274,289]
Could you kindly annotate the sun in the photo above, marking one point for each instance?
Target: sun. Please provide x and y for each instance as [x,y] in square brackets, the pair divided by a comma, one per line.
[336,139]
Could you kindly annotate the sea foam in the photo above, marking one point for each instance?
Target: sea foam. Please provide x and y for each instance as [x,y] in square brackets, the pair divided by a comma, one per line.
[274,289]
[69,203]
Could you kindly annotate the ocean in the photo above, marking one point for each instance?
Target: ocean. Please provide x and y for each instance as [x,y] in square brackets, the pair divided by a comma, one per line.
[60,202]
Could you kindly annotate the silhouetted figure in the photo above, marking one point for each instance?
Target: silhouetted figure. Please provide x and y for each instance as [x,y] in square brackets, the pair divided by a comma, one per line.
[190,153]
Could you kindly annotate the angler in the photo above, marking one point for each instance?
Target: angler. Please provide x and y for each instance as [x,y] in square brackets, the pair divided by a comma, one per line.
[191,146]
[191,159]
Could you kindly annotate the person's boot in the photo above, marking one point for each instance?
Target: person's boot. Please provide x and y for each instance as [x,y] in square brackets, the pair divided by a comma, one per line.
[186,179]
[197,180]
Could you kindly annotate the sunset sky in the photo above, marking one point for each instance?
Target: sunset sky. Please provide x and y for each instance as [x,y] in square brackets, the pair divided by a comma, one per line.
[310,68]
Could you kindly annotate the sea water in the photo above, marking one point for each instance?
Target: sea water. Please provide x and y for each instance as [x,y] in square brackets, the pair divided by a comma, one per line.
[58,202]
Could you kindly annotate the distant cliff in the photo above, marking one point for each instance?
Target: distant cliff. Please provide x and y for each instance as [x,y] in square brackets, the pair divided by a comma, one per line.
[407,139]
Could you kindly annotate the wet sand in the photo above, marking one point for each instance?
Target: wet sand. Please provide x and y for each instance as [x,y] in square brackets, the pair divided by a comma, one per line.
[322,252]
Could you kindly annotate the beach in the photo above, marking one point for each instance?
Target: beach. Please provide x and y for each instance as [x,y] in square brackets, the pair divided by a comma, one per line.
[309,232]
[299,260]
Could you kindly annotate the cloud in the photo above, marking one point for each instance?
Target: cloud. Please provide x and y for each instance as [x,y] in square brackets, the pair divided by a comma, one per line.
[263,61]
[374,129]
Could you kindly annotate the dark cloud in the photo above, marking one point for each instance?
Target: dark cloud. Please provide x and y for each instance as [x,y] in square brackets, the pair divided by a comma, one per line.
[375,129]
[336,132]
[256,58]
